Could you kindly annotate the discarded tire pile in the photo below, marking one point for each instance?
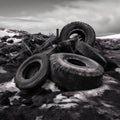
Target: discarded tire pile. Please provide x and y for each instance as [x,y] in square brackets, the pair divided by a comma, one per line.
[19,47]
[56,76]
[70,60]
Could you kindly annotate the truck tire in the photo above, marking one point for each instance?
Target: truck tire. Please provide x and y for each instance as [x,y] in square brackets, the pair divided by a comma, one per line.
[74,72]
[33,72]
[85,31]
[86,50]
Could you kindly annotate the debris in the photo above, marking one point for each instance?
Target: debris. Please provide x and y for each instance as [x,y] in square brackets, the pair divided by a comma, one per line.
[50,99]
[2,70]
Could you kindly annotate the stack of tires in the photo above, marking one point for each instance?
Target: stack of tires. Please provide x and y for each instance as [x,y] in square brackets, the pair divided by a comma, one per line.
[78,69]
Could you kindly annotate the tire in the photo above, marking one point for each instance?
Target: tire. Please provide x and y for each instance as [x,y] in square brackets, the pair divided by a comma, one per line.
[84,30]
[33,72]
[86,50]
[74,72]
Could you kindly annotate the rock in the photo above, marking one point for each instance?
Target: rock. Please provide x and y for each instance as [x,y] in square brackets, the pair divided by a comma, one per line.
[39,118]
[3,39]
[10,41]
[2,71]
[4,98]
[3,61]
[111,65]
[38,100]
[2,44]
[16,102]
[27,102]
[109,44]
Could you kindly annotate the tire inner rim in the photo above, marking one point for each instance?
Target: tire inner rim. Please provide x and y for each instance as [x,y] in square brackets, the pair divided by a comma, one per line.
[31,70]
[76,62]
[77,33]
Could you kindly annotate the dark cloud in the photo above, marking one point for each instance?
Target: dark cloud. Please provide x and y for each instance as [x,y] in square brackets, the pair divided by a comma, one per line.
[47,15]
[15,7]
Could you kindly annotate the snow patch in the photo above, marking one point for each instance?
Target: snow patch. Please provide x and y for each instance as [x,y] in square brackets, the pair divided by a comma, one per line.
[8,86]
[60,97]
[110,80]
[115,36]
[67,105]
[117,70]
[105,104]
[63,106]
[14,39]
[64,99]
[39,117]
[97,92]
[6,32]
[49,85]
[80,96]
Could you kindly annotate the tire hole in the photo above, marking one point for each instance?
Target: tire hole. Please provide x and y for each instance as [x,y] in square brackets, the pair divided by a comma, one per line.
[76,62]
[31,70]
[77,33]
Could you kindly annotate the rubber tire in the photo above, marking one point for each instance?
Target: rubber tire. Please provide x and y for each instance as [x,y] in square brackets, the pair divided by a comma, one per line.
[85,28]
[74,77]
[23,79]
[90,52]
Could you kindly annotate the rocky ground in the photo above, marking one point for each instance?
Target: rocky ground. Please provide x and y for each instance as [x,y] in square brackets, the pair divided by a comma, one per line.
[50,103]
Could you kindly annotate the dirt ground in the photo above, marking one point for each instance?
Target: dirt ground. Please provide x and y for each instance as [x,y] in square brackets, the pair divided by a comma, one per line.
[46,103]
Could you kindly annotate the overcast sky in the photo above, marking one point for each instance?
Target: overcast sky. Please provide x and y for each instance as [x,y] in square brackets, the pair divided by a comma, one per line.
[47,15]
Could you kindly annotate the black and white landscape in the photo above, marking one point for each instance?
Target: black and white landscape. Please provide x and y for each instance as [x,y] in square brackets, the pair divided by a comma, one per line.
[32,19]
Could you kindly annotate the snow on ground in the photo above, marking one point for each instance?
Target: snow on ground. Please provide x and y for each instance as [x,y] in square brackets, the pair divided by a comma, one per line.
[115,36]
[10,86]
[67,100]
[64,105]
[14,39]
[10,33]
[7,32]
[49,85]
[117,70]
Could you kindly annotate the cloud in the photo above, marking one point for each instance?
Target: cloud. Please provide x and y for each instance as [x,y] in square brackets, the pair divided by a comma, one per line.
[102,15]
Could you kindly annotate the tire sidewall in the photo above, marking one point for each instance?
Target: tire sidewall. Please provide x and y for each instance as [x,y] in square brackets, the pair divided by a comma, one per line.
[38,78]
[87,29]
